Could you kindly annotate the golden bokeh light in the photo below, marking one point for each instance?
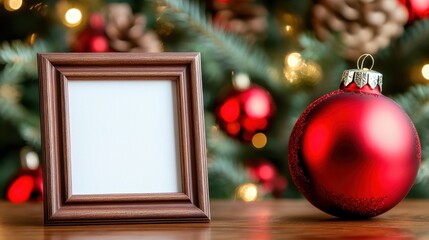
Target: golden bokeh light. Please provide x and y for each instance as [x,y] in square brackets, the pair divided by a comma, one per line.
[294,60]
[247,192]
[291,75]
[32,38]
[241,81]
[290,23]
[12,5]
[299,72]
[259,140]
[29,158]
[425,71]
[288,29]
[73,17]
[313,72]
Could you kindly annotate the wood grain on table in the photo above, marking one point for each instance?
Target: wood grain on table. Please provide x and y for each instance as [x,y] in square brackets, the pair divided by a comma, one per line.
[282,219]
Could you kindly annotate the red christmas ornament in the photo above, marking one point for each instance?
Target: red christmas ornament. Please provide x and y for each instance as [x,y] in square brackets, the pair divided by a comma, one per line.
[243,113]
[265,173]
[93,38]
[276,186]
[417,9]
[27,183]
[354,153]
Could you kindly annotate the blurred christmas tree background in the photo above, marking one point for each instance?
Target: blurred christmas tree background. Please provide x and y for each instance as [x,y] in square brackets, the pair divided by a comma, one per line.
[263,63]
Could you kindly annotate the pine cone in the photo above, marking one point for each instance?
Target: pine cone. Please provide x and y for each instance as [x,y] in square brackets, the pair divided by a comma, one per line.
[364,26]
[242,17]
[127,32]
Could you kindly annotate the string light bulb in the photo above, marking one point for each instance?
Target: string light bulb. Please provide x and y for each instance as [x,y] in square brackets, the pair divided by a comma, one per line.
[425,71]
[247,192]
[298,71]
[73,17]
[12,5]
[291,24]
[259,140]
[294,60]
[241,81]
[32,38]
[29,159]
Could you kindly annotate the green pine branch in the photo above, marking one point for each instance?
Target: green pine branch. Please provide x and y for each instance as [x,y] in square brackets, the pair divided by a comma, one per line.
[423,175]
[218,143]
[19,60]
[26,122]
[416,103]
[410,43]
[225,175]
[230,50]
[312,48]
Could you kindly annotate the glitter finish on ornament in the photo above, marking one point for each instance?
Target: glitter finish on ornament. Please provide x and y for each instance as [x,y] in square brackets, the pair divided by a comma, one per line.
[354,153]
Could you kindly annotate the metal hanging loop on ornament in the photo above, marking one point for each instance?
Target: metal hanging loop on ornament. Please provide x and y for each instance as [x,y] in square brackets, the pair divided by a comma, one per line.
[361,61]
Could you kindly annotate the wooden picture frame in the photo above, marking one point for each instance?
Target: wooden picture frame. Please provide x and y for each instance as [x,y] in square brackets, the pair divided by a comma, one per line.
[64,78]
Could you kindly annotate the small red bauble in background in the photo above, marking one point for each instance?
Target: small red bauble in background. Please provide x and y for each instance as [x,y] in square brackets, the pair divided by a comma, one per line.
[245,111]
[93,38]
[354,153]
[27,183]
[417,9]
[265,172]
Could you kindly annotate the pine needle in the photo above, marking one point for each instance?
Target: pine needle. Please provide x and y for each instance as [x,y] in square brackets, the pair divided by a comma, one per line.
[410,43]
[228,49]
[225,175]
[423,175]
[18,52]
[416,103]
[19,60]
[27,123]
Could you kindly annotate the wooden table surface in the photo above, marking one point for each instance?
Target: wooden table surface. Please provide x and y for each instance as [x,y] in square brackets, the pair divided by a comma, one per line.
[285,219]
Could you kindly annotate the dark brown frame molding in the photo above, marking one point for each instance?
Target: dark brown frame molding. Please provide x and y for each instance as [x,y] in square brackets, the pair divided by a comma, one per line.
[61,206]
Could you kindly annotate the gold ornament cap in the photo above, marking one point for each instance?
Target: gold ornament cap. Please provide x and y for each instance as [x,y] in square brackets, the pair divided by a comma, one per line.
[363,76]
